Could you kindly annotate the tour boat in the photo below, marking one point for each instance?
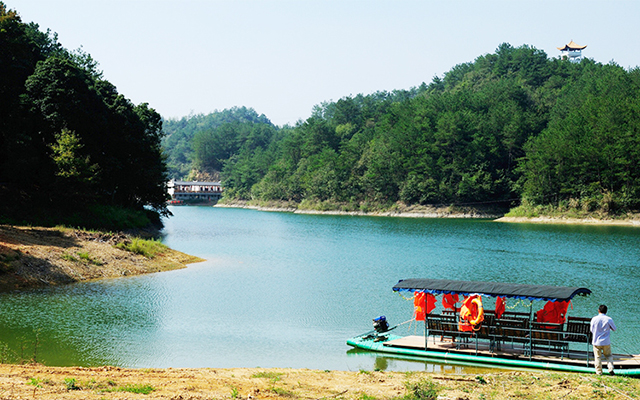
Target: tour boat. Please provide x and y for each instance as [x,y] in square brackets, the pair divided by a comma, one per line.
[465,332]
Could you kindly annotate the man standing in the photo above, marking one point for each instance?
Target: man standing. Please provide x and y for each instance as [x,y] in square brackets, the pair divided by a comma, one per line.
[601,325]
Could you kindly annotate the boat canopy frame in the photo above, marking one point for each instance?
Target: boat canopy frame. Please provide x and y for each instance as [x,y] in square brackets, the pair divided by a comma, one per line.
[491,289]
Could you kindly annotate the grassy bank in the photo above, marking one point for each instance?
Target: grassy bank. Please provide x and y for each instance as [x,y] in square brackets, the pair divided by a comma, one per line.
[40,382]
[38,256]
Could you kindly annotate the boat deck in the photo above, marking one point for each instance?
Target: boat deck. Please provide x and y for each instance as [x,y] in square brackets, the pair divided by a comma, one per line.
[547,339]
[508,351]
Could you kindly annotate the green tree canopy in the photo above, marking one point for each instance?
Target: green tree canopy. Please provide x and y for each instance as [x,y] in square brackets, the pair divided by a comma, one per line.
[69,141]
[511,124]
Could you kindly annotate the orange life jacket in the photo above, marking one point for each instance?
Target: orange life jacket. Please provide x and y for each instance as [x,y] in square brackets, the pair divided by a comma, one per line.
[423,304]
[471,314]
[449,301]
[553,311]
[500,306]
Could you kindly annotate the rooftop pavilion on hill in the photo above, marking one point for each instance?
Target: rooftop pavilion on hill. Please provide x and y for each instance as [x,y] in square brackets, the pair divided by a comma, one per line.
[571,51]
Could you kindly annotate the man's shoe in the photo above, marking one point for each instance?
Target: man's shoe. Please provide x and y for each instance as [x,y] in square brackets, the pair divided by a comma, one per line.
[611,373]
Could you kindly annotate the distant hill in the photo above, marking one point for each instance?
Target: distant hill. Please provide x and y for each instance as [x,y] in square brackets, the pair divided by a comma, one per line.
[511,128]
[179,133]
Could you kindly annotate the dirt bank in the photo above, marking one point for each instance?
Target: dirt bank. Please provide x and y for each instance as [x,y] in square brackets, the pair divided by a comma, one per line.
[418,211]
[398,210]
[32,257]
[572,221]
[40,382]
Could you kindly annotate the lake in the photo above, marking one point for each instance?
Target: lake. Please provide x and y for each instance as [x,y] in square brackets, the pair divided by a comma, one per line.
[287,290]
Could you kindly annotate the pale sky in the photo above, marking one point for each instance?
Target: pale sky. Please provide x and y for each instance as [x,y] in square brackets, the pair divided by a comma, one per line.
[282,57]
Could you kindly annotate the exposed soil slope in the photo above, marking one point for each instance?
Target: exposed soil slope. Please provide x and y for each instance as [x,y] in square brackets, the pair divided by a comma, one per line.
[32,257]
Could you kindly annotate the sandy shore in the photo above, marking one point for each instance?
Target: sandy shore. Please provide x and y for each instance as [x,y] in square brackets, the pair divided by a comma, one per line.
[40,382]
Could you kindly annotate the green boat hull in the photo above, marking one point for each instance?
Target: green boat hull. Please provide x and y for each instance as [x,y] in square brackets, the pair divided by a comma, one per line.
[369,344]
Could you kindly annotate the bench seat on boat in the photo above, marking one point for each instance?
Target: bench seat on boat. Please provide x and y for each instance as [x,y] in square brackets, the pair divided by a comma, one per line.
[578,330]
[442,325]
[511,329]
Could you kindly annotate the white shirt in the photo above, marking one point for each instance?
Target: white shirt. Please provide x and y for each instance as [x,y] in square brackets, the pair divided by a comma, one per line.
[601,325]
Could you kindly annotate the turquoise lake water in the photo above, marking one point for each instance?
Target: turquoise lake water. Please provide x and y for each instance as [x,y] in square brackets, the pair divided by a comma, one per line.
[287,290]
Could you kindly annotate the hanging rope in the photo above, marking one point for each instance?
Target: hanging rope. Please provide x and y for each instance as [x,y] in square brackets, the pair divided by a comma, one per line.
[405,298]
[521,302]
[402,323]
[415,328]
[405,322]
[518,303]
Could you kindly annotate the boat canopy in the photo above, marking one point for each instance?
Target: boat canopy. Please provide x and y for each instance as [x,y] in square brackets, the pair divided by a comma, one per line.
[493,289]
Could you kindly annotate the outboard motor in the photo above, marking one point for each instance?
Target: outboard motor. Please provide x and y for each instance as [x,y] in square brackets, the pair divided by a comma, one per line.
[380,324]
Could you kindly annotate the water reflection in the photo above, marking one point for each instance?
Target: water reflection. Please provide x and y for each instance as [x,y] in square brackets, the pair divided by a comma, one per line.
[370,361]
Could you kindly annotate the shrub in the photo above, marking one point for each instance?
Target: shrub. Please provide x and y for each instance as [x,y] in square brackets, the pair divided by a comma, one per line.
[70,383]
[147,248]
[273,376]
[69,257]
[87,258]
[282,392]
[133,388]
[421,390]
[137,388]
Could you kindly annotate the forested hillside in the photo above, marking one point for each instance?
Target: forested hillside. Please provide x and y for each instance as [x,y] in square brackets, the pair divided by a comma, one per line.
[72,149]
[513,126]
[182,137]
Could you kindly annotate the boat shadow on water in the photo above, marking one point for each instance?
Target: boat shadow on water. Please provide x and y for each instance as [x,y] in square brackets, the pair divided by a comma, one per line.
[398,362]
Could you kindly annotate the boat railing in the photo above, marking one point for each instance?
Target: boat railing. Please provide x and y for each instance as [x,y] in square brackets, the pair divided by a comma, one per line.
[514,332]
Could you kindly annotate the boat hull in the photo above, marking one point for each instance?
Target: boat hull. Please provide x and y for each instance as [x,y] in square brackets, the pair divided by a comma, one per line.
[504,362]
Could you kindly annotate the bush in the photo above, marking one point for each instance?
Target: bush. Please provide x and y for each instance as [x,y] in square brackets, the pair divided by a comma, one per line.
[421,390]
[137,388]
[70,384]
[133,388]
[147,248]
[273,376]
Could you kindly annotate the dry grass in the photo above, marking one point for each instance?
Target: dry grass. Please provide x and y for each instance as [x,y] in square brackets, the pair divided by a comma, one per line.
[31,257]
[40,382]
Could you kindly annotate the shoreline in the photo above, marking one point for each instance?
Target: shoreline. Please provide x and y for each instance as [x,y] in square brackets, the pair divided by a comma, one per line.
[438,212]
[33,257]
[570,221]
[400,212]
[46,383]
